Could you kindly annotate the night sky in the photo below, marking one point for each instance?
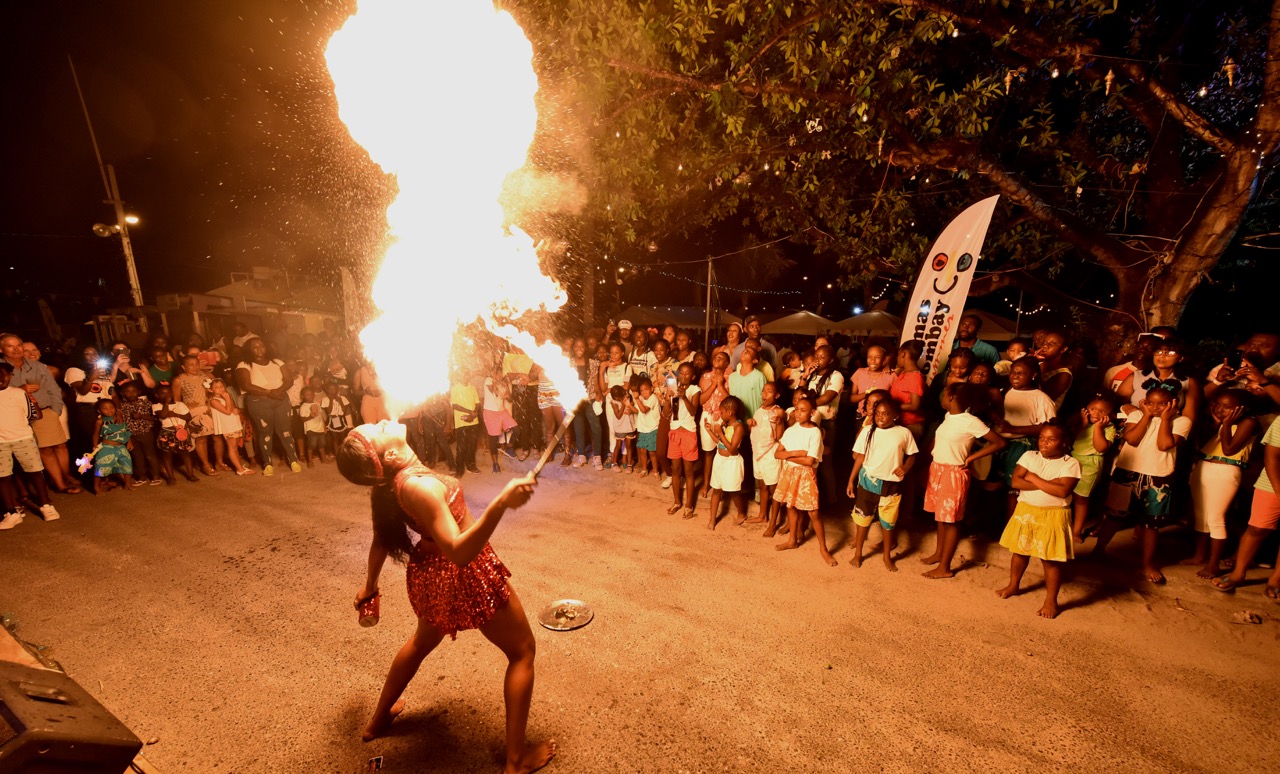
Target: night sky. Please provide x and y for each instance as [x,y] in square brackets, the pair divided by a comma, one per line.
[220,120]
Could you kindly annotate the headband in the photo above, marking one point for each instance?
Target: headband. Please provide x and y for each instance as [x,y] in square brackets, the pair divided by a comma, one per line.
[377,461]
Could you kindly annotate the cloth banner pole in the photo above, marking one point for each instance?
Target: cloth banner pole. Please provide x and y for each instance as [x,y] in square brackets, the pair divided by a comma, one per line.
[943,285]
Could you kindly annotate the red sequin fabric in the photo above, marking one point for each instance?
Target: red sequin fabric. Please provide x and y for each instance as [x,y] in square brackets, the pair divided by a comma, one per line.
[449,597]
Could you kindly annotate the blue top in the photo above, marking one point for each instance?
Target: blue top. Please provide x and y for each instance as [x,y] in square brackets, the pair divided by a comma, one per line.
[48,396]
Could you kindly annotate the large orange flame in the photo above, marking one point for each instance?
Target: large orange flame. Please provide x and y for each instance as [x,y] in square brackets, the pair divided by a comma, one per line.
[441,94]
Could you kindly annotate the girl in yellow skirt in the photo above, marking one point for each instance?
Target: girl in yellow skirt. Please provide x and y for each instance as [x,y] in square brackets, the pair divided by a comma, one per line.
[1041,522]
[800,450]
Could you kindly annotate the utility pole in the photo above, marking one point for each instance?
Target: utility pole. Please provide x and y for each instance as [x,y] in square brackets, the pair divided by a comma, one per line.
[113,198]
[706,335]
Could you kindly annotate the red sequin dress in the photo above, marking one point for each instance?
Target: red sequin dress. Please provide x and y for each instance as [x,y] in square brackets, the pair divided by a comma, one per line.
[449,597]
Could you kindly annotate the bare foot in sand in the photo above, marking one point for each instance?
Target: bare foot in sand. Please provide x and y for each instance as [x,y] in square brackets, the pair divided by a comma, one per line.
[889,564]
[856,561]
[754,520]
[1007,591]
[535,757]
[931,559]
[688,514]
[378,726]
[1153,575]
[770,532]
[787,546]
[829,559]
[939,572]
[1209,571]
[711,523]
[740,519]
[1050,609]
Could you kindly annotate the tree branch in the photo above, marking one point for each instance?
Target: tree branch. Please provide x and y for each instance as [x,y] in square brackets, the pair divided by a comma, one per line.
[964,155]
[785,31]
[1031,44]
[689,83]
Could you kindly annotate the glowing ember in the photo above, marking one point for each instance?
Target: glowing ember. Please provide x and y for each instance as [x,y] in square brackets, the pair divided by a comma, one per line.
[442,96]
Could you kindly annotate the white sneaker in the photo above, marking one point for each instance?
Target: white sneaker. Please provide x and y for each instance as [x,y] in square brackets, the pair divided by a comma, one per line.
[49,513]
[581,461]
[666,482]
[11,520]
[599,464]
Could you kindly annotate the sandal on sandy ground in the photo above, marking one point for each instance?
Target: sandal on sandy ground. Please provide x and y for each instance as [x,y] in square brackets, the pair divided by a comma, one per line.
[672,510]
[1224,584]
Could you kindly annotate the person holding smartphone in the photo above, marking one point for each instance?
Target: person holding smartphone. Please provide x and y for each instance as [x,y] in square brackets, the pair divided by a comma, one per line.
[1252,366]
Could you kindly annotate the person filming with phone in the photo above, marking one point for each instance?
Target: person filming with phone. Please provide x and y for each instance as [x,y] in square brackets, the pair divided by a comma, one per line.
[1252,366]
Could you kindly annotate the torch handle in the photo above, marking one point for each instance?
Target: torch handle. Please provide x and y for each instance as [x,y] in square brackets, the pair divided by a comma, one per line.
[551,448]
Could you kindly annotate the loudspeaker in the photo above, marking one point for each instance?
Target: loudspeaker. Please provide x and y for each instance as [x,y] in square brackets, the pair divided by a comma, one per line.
[50,724]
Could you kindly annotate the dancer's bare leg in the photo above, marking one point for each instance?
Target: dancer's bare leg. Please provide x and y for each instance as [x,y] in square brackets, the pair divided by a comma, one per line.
[403,667]
[509,630]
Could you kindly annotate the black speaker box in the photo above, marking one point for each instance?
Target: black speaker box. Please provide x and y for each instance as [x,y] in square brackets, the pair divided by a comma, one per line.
[50,724]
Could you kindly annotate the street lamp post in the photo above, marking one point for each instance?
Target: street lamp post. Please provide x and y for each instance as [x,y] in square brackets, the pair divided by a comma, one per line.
[121,226]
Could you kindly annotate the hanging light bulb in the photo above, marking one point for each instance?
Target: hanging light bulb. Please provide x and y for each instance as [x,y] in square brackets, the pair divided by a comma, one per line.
[1110,79]
[1054,72]
[1204,90]
[955,32]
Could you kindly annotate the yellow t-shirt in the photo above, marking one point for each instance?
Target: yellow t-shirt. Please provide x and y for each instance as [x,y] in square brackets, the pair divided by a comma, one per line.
[463,395]
[513,363]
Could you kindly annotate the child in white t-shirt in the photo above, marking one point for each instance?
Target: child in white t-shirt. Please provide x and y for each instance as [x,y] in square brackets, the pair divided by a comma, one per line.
[1041,523]
[800,450]
[1141,491]
[622,426]
[648,416]
[766,430]
[947,492]
[727,467]
[882,457]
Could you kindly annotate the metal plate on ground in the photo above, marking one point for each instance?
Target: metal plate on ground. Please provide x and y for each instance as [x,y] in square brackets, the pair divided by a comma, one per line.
[565,615]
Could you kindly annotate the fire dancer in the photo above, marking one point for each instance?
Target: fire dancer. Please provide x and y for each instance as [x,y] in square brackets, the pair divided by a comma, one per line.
[456,581]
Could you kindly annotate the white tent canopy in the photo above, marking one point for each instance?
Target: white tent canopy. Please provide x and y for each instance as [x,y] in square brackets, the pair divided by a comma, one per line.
[874,323]
[994,328]
[803,323]
[679,316]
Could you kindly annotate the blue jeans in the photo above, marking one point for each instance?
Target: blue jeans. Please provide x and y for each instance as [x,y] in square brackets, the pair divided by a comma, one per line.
[271,420]
[585,422]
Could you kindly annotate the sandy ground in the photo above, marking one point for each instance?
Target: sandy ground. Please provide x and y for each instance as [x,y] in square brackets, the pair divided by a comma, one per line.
[216,618]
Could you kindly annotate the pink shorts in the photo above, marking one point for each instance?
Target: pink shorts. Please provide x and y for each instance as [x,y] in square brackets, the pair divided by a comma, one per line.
[946,493]
[1265,513]
[682,444]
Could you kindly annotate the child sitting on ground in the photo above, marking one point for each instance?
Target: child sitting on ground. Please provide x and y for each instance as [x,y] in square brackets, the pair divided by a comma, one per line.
[800,450]
[1141,491]
[1216,476]
[111,436]
[1095,435]
[727,468]
[954,452]
[766,429]
[1041,523]
[882,457]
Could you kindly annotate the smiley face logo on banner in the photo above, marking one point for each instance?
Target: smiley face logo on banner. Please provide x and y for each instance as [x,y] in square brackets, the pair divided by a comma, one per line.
[940,261]
[964,262]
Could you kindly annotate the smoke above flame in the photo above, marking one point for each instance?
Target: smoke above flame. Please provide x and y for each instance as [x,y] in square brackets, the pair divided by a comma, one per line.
[441,94]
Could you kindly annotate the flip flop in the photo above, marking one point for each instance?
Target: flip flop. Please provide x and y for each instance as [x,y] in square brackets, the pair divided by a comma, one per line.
[1272,593]
[1224,584]
[672,510]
